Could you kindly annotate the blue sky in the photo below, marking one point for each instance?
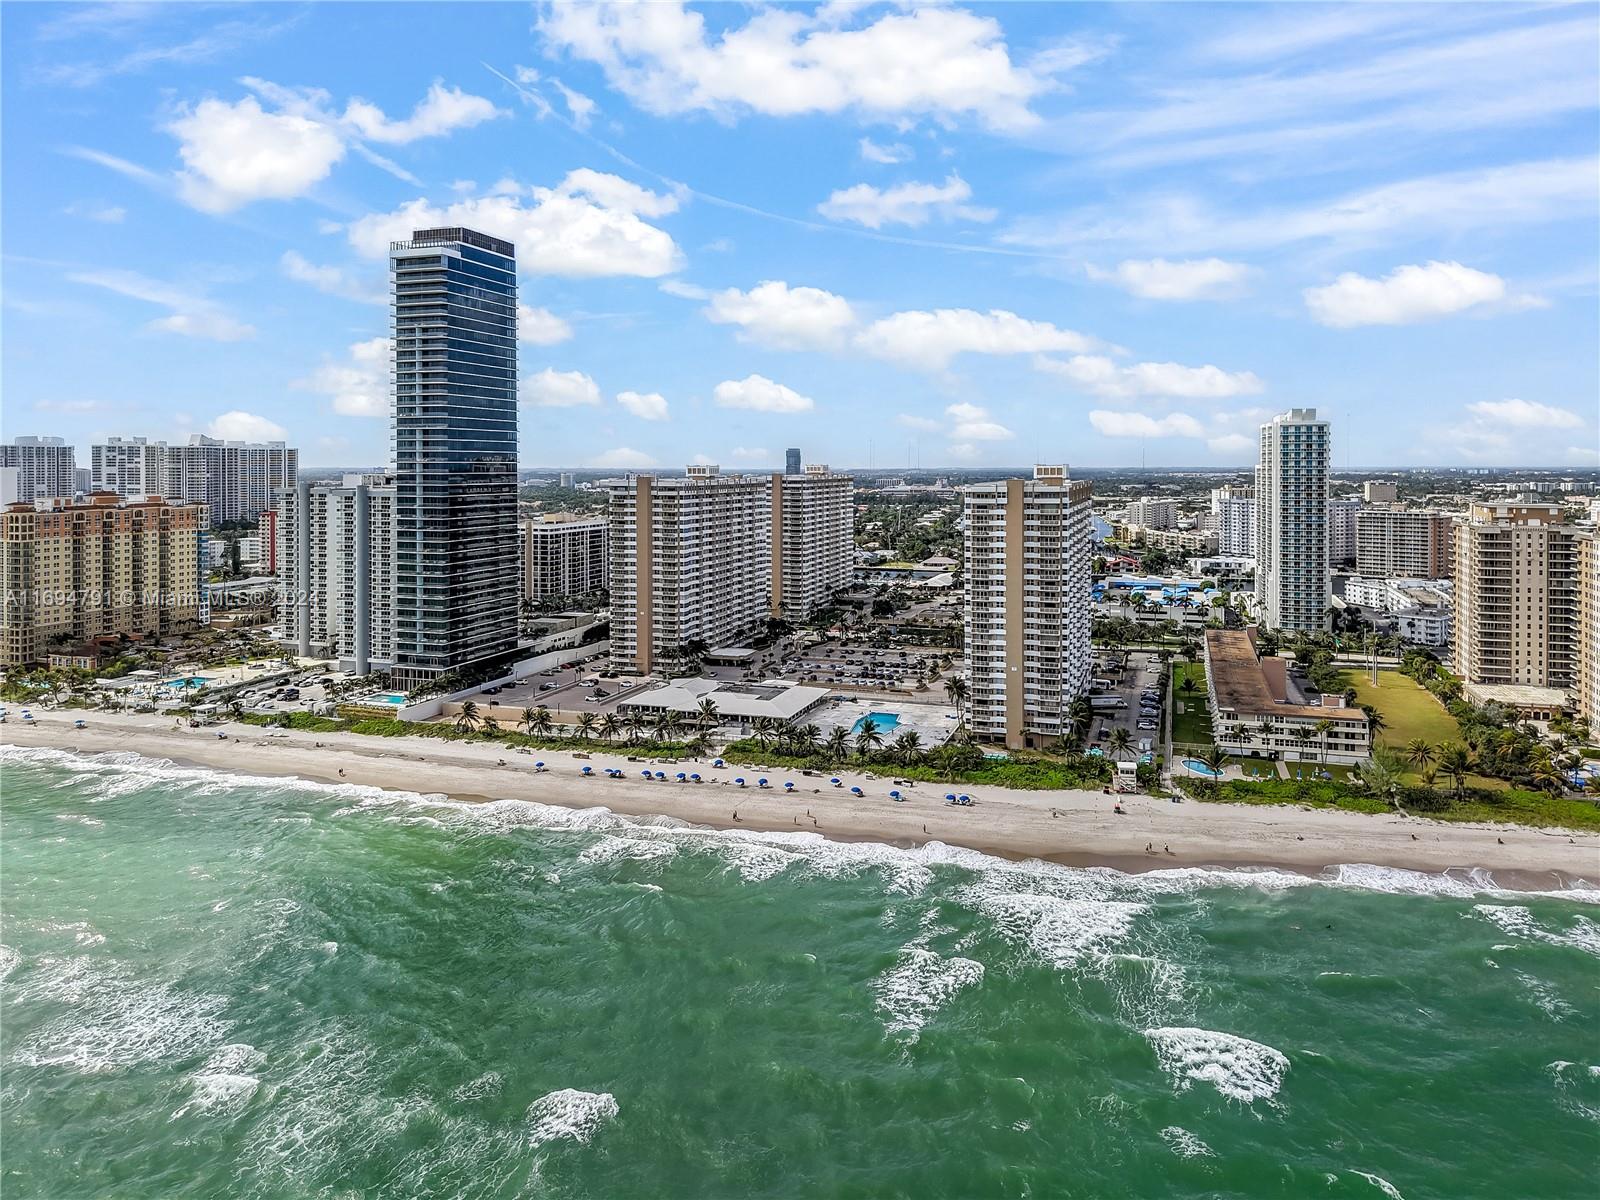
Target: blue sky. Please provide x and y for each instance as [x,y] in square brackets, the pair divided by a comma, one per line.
[887,234]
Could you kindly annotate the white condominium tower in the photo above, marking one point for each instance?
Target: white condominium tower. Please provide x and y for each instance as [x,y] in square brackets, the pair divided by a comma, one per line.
[1292,535]
[1402,543]
[44,467]
[690,562]
[813,539]
[1233,516]
[236,481]
[1027,612]
[563,556]
[128,466]
[336,570]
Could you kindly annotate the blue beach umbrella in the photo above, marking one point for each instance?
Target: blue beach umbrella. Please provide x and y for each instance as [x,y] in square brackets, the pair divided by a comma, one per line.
[538,766]
[694,779]
[740,781]
[855,791]
[949,795]
[761,783]
[836,782]
[894,795]
[661,774]
[788,786]
[646,774]
[588,770]
[717,762]
[681,777]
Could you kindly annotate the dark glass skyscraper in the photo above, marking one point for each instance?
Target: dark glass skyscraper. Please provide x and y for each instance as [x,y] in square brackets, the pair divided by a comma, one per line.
[791,462]
[455,451]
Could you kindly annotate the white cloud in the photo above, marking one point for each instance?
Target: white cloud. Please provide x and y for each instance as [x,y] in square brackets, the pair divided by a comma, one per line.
[359,386]
[559,389]
[332,280]
[190,316]
[774,314]
[889,155]
[441,111]
[1102,377]
[925,424]
[750,454]
[106,214]
[684,291]
[238,426]
[971,423]
[1136,424]
[647,406]
[1404,296]
[624,458]
[904,204]
[580,106]
[1189,279]
[540,327]
[942,62]
[1525,414]
[1230,444]
[587,226]
[929,340]
[761,394]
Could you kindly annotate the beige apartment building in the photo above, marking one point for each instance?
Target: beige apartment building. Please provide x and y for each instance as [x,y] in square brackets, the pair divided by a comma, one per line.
[563,555]
[1516,588]
[1027,612]
[813,539]
[75,572]
[1402,543]
[1587,688]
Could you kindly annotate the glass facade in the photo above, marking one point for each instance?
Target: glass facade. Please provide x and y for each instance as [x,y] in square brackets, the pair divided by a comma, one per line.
[455,451]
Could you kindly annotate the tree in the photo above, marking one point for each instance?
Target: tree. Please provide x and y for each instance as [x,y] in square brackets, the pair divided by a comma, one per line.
[467,718]
[489,726]
[609,726]
[868,737]
[1324,728]
[1420,754]
[542,724]
[908,747]
[1121,742]
[1215,757]
[955,689]
[707,717]
[1303,737]
[808,740]
[838,744]
[586,726]
[1456,761]
[763,728]
[527,717]
[1080,716]
[1380,775]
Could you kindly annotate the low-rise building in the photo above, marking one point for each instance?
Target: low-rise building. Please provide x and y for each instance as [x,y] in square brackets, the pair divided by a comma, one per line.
[738,705]
[1176,541]
[1254,712]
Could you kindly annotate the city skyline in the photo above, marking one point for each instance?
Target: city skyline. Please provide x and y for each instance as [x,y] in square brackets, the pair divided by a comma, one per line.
[1097,249]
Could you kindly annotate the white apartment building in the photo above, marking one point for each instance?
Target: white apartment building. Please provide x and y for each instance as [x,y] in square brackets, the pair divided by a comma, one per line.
[813,539]
[1181,541]
[563,556]
[1342,529]
[1292,550]
[1517,595]
[1153,513]
[1255,713]
[691,561]
[1407,543]
[336,570]
[237,481]
[1233,516]
[44,467]
[1419,611]
[1028,606]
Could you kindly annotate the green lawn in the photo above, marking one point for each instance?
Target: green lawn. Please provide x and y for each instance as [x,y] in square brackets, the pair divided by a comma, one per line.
[1409,710]
[1191,722]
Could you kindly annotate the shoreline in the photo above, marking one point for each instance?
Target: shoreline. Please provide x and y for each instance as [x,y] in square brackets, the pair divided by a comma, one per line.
[1072,828]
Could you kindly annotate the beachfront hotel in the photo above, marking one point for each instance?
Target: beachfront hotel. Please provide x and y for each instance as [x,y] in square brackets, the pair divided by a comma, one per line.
[813,539]
[1256,711]
[1292,535]
[335,544]
[457,587]
[563,555]
[44,468]
[71,573]
[1027,614]
[236,481]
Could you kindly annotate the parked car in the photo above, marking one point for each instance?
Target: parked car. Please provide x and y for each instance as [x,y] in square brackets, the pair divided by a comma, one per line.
[1147,724]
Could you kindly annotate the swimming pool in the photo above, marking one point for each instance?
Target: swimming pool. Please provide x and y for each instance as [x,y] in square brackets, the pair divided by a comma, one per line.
[885,722]
[190,681]
[1199,768]
[394,698]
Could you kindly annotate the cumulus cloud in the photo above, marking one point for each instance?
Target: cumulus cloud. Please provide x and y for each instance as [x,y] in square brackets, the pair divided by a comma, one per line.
[335,281]
[1231,444]
[559,389]
[761,394]
[972,423]
[889,155]
[1525,414]
[929,340]
[278,142]
[1189,279]
[1404,296]
[540,327]
[624,458]
[239,426]
[359,386]
[1137,424]
[106,214]
[647,406]
[941,62]
[589,225]
[910,204]
[1103,377]
[190,315]
[774,314]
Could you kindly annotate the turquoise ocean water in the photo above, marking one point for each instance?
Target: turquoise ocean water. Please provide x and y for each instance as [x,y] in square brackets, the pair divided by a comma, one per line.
[222,986]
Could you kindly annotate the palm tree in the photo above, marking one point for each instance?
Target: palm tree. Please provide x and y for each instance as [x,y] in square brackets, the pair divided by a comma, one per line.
[807,740]
[542,724]
[467,718]
[1380,775]
[633,725]
[586,723]
[867,736]
[1375,721]
[1236,733]
[664,726]
[908,747]
[955,688]
[609,726]
[490,726]
[527,719]
[1324,728]
[1121,742]
[1420,754]
[1456,761]
[1080,716]
[1546,775]
[838,744]
[1215,757]
[1303,737]
[708,718]
[762,728]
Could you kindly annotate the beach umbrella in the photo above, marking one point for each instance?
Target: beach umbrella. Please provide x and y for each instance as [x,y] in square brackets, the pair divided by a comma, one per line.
[949,795]
[966,799]
[694,779]
[646,774]
[836,782]
[855,791]
[761,783]
[661,774]
[682,776]
[788,786]
[538,766]
[588,770]
[894,795]
[717,762]
[740,781]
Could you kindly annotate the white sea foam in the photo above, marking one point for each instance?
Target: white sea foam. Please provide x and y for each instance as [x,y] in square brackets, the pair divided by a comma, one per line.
[1237,1067]
[919,985]
[611,849]
[1379,1182]
[9,960]
[1545,997]
[1061,930]
[569,1114]
[484,1087]
[1518,920]
[1569,1081]
[118,1027]
[1184,1144]
[225,1083]
[80,819]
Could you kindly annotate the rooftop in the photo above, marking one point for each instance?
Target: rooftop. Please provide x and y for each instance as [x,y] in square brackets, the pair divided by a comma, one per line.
[769,698]
[1240,685]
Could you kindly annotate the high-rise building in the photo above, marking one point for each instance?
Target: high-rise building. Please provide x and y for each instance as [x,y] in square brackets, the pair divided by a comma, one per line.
[1027,611]
[1233,516]
[1153,513]
[1517,595]
[791,461]
[1402,543]
[1587,691]
[236,481]
[44,467]
[691,561]
[563,556]
[1342,529]
[565,479]
[73,572]
[1375,491]
[813,540]
[335,544]
[455,452]
[1292,550]
[82,481]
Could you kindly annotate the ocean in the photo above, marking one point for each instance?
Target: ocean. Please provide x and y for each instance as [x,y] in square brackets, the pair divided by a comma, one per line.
[224,986]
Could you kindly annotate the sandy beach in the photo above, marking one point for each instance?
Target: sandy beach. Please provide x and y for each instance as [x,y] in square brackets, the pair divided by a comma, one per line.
[1074,827]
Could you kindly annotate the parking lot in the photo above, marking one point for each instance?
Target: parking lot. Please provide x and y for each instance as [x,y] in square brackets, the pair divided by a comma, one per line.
[1139,683]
